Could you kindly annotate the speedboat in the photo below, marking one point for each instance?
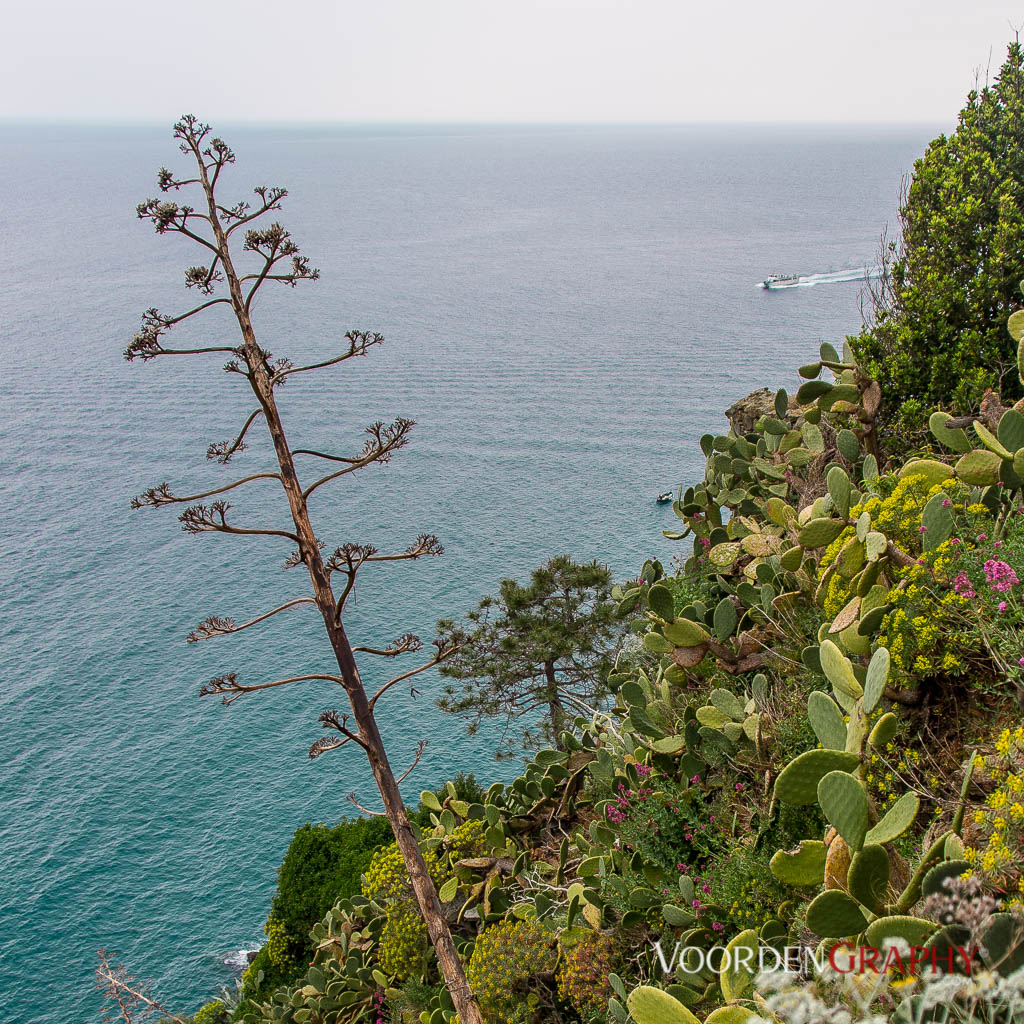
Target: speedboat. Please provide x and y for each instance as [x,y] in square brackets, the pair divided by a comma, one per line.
[780,281]
[664,498]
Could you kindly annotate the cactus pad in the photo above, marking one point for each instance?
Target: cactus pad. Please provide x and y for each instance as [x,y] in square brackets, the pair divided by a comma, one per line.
[838,670]
[896,820]
[845,804]
[819,532]
[884,730]
[826,720]
[661,602]
[913,930]
[685,633]
[933,471]
[868,877]
[798,781]
[649,1005]
[833,914]
[979,468]
[804,865]
[738,979]
[953,438]
[877,677]
[846,440]
[1011,430]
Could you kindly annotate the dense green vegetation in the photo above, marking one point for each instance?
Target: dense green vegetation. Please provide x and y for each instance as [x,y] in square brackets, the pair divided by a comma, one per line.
[938,337]
[811,736]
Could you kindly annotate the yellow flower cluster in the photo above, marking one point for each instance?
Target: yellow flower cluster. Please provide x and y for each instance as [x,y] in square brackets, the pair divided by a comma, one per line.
[386,877]
[924,632]
[467,840]
[997,839]
[278,943]
[890,773]
[214,1012]
[403,942]
[403,945]
[583,974]
[505,957]
[898,516]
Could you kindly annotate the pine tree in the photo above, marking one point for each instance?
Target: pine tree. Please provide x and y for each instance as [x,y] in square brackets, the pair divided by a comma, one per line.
[546,646]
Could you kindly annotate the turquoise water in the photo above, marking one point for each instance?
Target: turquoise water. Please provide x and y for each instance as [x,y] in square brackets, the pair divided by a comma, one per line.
[567,310]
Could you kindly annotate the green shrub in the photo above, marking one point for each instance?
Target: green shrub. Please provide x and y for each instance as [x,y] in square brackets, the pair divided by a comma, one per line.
[386,879]
[467,840]
[404,943]
[583,974]
[279,946]
[466,788]
[506,958]
[939,336]
[322,865]
[214,1012]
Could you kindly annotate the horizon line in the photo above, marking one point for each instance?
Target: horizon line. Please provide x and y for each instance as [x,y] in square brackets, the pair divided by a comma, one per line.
[126,122]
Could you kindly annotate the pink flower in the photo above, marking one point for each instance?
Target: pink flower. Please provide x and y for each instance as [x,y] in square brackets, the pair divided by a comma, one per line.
[922,529]
[695,779]
[962,585]
[982,537]
[1000,576]
[1002,606]
[739,786]
[718,926]
[1020,661]
[946,503]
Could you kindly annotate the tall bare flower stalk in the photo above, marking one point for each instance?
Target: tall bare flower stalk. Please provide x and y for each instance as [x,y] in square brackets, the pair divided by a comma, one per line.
[273,256]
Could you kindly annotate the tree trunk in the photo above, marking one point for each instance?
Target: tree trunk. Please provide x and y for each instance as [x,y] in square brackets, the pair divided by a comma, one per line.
[368,736]
[556,710]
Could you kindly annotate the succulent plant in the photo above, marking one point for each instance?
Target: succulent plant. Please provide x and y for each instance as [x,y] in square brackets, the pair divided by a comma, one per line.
[856,862]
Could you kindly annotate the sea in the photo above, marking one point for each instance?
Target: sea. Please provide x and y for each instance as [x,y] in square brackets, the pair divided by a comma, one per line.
[566,310]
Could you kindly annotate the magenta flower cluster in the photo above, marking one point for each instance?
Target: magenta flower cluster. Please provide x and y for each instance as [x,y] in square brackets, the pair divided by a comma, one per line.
[963,586]
[619,811]
[1000,576]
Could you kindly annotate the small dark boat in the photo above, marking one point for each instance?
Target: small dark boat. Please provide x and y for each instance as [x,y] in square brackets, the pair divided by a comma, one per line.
[664,498]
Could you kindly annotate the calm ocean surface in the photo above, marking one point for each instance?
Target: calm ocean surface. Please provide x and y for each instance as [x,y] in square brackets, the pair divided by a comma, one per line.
[567,310]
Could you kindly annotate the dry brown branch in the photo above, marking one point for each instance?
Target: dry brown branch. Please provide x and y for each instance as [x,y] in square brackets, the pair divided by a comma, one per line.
[420,747]
[217,626]
[270,246]
[128,999]
[230,685]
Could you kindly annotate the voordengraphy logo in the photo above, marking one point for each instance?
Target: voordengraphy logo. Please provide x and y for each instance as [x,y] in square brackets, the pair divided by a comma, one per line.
[841,958]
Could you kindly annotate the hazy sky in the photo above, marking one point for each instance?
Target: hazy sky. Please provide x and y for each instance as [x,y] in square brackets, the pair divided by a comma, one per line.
[482,60]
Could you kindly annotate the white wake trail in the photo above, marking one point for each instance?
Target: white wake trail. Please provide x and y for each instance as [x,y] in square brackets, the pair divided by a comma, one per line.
[831,277]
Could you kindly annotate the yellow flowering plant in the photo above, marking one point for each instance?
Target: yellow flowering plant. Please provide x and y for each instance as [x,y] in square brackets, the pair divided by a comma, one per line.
[996,827]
